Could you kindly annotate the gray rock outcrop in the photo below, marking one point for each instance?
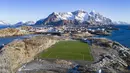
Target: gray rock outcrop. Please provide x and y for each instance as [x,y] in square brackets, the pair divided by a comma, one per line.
[111,59]
[19,52]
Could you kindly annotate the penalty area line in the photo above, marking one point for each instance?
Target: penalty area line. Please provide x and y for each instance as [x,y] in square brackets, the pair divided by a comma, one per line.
[49,54]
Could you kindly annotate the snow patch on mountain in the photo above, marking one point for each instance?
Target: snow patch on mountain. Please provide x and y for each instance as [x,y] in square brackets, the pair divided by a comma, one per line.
[29,23]
[2,23]
[120,23]
[76,17]
[81,15]
[24,23]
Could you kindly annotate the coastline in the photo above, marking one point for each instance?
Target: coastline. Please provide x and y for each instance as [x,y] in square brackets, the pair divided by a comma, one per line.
[19,52]
[9,32]
[106,52]
[105,58]
[108,55]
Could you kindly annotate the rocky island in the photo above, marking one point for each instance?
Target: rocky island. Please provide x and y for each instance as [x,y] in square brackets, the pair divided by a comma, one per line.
[109,56]
[8,32]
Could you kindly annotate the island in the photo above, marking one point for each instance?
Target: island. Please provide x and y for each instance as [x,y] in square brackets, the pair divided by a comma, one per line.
[20,31]
[45,55]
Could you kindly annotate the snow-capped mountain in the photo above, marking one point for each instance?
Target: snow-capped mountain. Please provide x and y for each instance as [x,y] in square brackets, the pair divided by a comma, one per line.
[19,23]
[76,17]
[39,22]
[24,23]
[29,23]
[120,23]
[2,23]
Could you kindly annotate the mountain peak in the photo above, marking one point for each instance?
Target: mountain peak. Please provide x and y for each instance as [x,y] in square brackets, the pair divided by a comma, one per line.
[80,11]
[25,23]
[29,23]
[3,23]
[93,12]
[21,22]
[76,17]
[55,13]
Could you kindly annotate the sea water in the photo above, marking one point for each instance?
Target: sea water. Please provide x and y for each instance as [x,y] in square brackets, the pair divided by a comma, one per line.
[122,36]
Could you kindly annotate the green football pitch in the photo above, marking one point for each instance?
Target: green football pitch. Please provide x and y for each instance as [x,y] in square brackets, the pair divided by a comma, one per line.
[70,50]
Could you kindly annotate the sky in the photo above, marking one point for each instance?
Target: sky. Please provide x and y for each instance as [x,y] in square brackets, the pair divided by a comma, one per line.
[13,11]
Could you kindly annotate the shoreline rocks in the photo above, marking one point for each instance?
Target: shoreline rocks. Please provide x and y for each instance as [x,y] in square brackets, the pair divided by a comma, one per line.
[114,58]
[109,56]
[22,51]
[7,32]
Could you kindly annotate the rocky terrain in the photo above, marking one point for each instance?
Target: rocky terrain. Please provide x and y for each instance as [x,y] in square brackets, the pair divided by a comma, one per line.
[14,31]
[45,66]
[81,35]
[19,52]
[109,56]
[20,56]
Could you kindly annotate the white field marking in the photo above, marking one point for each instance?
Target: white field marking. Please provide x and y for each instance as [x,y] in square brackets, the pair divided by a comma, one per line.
[69,56]
[90,53]
[65,56]
[56,56]
[69,52]
[49,54]
[83,56]
[62,52]
[86,55]
[91,57]
[75,53]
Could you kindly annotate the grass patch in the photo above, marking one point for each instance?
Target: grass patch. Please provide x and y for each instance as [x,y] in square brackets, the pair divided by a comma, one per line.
[71,50]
